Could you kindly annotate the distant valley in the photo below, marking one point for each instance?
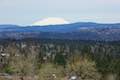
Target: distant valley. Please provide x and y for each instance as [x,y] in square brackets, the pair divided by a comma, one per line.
[75,31]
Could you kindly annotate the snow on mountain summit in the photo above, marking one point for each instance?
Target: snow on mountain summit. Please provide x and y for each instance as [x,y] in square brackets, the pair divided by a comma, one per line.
[51,21]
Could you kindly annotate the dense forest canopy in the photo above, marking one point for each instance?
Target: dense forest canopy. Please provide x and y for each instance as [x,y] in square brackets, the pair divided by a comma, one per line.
[72,57]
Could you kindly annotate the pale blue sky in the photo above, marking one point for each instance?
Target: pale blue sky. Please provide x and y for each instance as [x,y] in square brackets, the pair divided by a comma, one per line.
[25,12]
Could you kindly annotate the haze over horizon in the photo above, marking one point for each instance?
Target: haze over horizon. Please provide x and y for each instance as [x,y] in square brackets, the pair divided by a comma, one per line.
[25,12]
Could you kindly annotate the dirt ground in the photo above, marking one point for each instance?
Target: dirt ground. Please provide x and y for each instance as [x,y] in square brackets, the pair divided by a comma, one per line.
[17,78]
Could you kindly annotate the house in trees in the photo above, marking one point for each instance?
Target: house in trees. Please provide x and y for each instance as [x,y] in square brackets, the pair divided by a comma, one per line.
[3,56]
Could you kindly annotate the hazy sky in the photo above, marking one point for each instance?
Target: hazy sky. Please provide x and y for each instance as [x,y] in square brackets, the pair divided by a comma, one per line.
[29,11]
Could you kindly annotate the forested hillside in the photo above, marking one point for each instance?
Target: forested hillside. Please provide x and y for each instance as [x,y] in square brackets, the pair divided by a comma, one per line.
[60,59]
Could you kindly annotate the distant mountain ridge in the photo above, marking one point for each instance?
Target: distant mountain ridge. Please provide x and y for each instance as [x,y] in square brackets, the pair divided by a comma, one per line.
[74,31]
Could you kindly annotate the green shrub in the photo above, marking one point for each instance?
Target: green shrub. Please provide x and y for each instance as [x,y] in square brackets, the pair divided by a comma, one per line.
[84,68]
[50,72]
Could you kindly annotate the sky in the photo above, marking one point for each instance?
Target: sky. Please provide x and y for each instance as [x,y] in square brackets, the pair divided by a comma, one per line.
[26,12]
